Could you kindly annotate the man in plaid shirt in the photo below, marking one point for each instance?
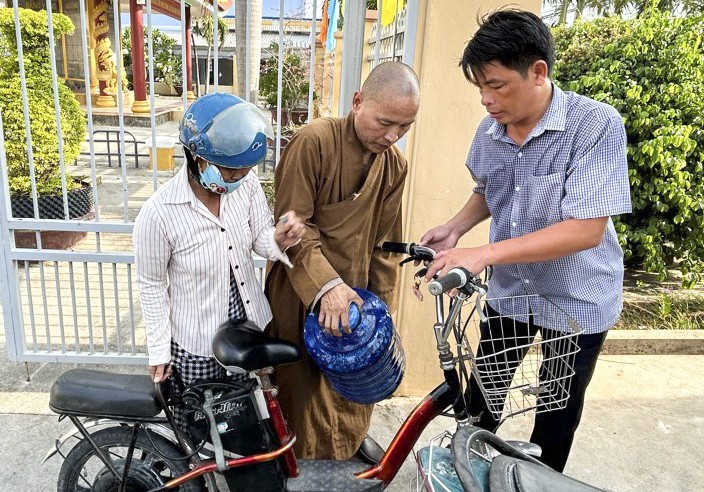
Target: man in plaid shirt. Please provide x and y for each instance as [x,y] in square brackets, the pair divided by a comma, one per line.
[550,170]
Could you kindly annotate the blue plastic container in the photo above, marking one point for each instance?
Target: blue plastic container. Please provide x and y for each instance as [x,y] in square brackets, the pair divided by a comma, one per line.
[367,365]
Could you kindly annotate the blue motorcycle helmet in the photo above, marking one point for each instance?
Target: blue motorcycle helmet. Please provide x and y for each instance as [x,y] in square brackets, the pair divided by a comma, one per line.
[224,131]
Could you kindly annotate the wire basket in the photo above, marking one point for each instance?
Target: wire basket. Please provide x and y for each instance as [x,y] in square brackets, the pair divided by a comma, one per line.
[521,354]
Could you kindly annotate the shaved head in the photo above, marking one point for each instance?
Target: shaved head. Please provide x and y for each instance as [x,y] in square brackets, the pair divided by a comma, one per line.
[391,78]
[386,107]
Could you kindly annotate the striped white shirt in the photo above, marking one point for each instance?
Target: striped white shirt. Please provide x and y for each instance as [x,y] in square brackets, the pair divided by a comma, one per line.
[184,254]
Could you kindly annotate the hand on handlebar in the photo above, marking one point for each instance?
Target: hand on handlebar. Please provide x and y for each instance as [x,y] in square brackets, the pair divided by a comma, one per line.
[471,259]
[440,238]
[335,309]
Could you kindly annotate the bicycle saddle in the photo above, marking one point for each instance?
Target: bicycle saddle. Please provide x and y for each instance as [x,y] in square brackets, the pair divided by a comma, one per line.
[511,471]
[242,345]
[103,394]
[509,474]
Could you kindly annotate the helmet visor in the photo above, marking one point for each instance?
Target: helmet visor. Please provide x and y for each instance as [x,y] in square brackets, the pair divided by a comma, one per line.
[234,130]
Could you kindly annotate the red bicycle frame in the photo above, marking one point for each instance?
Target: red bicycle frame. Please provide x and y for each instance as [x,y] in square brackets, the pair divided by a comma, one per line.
[445,395]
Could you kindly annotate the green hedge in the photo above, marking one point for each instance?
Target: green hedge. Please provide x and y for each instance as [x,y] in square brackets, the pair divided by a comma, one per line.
[40,94]
[651,69]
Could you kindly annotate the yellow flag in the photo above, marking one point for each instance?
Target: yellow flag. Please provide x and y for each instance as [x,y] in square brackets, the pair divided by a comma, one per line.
[389,8]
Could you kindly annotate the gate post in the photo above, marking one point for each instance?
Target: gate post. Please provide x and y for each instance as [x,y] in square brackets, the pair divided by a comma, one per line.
[352,50]
[9,290]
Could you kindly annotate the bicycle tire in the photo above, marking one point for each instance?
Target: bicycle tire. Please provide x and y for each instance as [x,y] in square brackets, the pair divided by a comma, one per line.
[148,468]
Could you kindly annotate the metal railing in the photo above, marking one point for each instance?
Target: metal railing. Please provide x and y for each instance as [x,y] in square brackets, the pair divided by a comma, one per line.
[81,304]
[388,42]
[112,144]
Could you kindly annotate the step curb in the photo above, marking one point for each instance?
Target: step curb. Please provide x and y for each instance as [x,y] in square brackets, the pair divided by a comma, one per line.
[654,342]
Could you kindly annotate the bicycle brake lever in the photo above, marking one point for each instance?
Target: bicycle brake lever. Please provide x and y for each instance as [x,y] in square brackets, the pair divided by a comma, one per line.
[417,279]
[424,253]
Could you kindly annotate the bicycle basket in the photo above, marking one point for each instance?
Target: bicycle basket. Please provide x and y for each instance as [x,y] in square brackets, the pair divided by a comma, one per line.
[522,355]
[434,469]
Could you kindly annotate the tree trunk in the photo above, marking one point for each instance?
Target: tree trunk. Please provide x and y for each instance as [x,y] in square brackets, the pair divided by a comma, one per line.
[254,55]
[563,12]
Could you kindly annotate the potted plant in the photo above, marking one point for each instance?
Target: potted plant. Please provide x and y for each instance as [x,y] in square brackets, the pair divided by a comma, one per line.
[295,84]
[43,127]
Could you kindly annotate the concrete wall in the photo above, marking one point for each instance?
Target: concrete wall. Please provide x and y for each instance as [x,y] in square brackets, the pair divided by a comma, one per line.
[439,184]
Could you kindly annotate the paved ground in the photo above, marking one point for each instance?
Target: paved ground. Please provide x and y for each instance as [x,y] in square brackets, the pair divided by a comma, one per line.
[643,426]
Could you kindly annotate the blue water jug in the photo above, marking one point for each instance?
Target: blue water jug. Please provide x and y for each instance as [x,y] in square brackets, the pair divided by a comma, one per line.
[366,365]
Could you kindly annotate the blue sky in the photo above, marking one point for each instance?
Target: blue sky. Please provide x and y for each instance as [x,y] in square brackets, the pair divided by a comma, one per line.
[270,8]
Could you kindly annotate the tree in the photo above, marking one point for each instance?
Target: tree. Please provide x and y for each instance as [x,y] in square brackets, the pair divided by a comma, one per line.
[254,55]
[651,69]
[167,66]
[561,9]
[203,27]
[294,81]
[40,97]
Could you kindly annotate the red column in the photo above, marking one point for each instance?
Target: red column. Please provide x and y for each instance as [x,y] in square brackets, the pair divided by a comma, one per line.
[189,54]
[139,82]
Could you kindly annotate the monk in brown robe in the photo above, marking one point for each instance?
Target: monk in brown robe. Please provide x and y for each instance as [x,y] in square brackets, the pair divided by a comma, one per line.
[344,178]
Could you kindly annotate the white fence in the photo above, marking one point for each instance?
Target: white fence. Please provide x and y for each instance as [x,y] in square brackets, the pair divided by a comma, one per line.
[81,304]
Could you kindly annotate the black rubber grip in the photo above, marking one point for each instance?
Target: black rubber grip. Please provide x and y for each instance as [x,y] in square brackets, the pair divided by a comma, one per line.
[393,247]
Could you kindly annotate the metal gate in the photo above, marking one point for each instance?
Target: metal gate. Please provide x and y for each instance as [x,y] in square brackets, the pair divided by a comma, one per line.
[80,304]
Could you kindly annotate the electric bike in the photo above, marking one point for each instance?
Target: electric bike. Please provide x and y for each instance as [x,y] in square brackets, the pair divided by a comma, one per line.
[125,437]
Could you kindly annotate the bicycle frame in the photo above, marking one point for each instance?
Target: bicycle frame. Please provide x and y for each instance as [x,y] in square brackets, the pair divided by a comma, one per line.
[447,394]
[444,396]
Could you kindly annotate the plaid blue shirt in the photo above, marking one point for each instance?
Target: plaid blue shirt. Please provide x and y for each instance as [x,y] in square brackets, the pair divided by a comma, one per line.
[572,165]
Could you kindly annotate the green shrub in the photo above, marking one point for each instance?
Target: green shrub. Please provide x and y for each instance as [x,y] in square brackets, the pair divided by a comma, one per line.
[651,69]
[40,96]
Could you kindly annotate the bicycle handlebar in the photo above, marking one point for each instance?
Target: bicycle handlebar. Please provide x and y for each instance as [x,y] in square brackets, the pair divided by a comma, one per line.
[455,278]
[415,251]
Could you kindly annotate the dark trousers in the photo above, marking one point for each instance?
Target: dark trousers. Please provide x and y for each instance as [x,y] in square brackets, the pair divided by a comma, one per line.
[554,430]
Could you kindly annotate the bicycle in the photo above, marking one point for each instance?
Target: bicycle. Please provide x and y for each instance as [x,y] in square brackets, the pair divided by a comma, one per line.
[128,440]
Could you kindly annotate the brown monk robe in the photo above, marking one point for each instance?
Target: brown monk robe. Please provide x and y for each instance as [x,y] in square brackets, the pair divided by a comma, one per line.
[344,178]
[349,212]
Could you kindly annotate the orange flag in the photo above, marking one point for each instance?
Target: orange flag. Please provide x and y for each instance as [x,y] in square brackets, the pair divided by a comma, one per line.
[324,23]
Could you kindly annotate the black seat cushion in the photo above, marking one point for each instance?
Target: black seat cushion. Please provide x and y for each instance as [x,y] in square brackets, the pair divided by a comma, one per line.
[242,344]
[509,474]
[104,394]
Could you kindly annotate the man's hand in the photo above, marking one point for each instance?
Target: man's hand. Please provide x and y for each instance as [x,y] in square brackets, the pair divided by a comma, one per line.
[335,309]
[472,259]
[160,373]
[289,230]
[440,238]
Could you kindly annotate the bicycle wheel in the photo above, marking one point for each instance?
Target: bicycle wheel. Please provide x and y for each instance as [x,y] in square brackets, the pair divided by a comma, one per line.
[84,471]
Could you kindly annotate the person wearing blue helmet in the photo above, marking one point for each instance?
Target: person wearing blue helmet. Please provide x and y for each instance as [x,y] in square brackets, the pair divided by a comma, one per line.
[193,239]
[345,178]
